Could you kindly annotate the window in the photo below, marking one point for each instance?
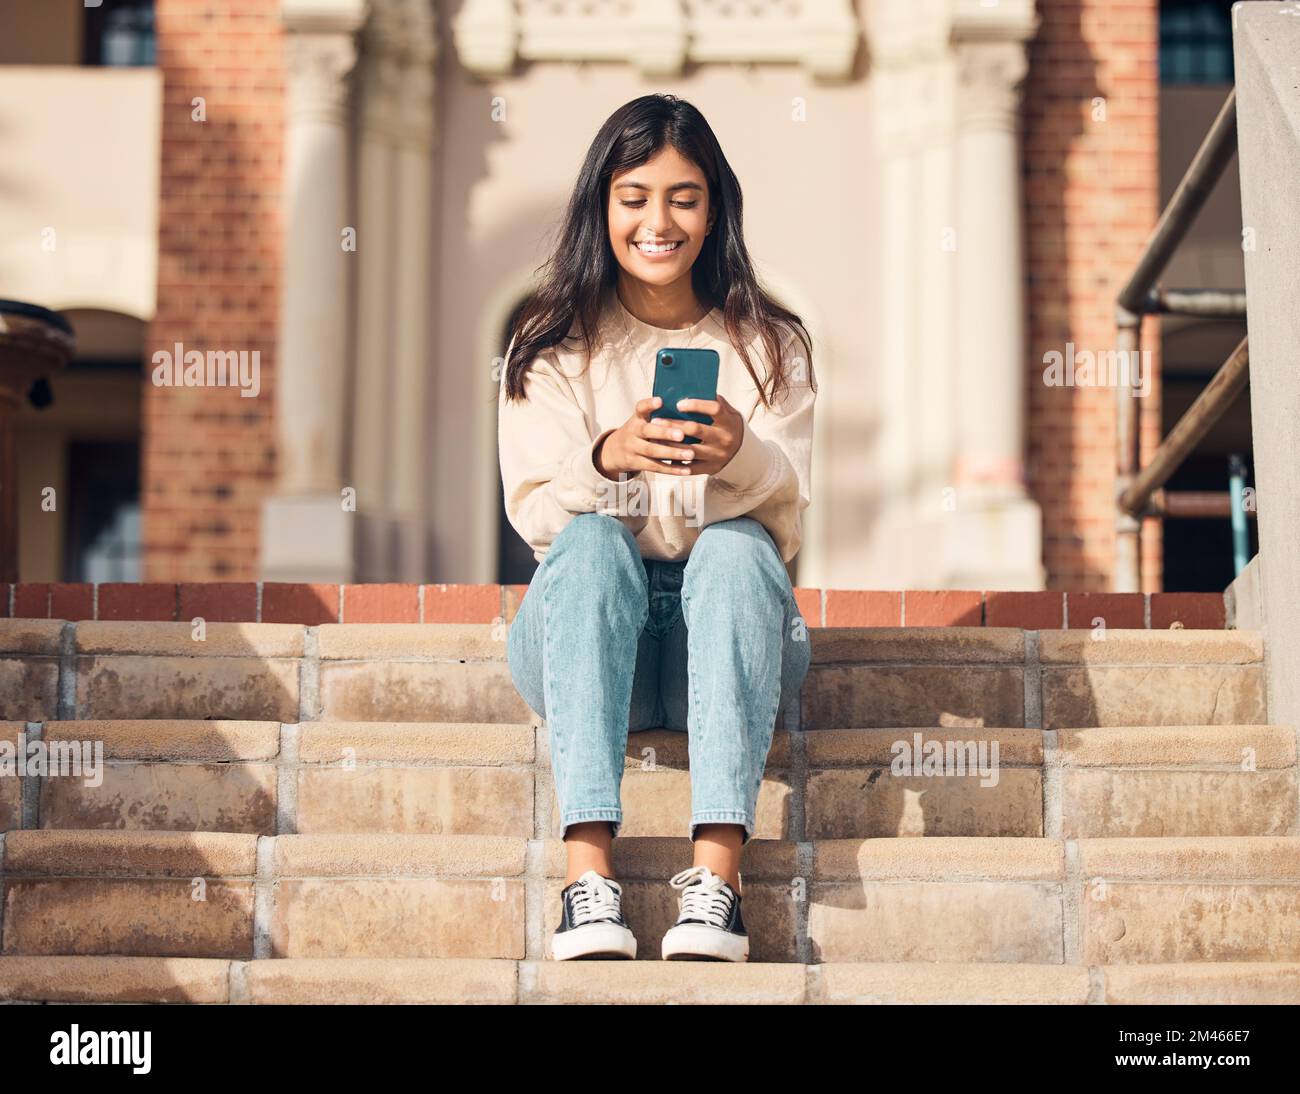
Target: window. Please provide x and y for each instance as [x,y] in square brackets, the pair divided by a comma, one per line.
[103,529]
[119,33]
[1195,41]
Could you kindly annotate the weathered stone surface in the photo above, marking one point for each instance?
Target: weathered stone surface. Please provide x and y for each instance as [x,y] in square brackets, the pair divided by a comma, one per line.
[398,917]
[154,917]
[1159,695]
[141,686]
[420,691]
[191,797]
[364,980]
[918,645]
[114,979]
[184,639]
[29,688]
[851,696]
[469,801]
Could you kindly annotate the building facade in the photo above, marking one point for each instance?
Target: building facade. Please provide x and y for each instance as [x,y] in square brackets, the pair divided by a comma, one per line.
[356,196]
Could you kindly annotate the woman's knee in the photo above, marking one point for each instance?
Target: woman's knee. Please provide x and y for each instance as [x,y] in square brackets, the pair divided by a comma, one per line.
[737,534]
[596,534]
[595,553]
[594,527]
[738,544]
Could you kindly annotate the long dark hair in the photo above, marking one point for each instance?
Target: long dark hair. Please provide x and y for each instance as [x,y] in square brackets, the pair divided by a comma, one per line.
[582,268]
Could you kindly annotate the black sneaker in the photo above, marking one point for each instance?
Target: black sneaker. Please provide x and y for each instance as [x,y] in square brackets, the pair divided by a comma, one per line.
[709,927]
[591,923]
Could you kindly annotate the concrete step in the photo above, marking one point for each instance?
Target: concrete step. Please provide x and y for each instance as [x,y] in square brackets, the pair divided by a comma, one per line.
[467,980]
[487,779]
[859,677]
[953,899]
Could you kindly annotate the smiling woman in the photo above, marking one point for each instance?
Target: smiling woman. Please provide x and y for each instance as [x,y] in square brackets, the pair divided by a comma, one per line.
[678,613]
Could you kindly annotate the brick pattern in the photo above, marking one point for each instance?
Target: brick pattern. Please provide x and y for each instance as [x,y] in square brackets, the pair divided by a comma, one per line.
[278,602]
[1091,198]
[208,454]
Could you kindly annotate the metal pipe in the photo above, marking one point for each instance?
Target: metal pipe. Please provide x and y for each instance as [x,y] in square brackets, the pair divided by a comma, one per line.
[1192,427]
[1133,488]
[1190,504]
[1208,303]
[1127,576]
[1219,146]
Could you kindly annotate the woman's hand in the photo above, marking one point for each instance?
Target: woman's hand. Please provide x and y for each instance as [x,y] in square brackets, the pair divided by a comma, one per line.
[638,445]
[720,441]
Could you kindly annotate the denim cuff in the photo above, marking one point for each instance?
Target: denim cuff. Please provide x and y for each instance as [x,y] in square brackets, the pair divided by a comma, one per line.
[583,816]
[724,816]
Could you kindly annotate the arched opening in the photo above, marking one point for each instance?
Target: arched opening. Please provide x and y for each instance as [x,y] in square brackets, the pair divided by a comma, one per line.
[515,562]
[78,459]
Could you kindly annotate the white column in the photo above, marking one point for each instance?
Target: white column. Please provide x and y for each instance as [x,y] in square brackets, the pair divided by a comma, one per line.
[379,87]
[912,97]
[412,351]
[893,536]
[390,423]
[307,534]
[998,529]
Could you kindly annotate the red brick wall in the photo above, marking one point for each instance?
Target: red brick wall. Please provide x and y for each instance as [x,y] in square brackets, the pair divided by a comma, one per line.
[274,602]
[1091,193]
[208,453]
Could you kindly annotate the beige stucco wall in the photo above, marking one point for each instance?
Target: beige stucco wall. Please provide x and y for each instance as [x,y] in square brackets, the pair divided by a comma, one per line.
[79,187]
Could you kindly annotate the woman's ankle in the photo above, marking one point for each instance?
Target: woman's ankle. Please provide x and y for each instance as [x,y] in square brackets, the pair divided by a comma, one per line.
[589,848]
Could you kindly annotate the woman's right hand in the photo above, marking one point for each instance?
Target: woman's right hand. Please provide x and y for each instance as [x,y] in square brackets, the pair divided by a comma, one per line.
[637,445]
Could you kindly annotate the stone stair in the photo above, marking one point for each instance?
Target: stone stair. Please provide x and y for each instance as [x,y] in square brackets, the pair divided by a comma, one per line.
[353,812]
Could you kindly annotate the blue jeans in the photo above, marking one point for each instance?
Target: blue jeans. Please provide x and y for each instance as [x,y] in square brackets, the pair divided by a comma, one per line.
[606,642]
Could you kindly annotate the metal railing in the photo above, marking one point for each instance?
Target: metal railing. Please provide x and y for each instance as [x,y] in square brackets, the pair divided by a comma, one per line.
[1139,491]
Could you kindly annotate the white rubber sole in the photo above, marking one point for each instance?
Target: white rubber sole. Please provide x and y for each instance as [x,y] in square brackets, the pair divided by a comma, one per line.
[695,940]
[607,940]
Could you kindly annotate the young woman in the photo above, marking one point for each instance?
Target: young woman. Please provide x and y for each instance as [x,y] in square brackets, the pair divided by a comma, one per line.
[662,598]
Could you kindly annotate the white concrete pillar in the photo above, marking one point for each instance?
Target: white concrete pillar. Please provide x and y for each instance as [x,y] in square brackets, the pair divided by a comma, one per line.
[379,88]
[990,306]
[307,533]
[998,528]
[912,74]
[897,358]
[412,353]
[390,424]
[1266,42]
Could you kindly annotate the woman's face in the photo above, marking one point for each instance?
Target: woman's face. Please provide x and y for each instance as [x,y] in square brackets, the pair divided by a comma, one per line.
[664,201]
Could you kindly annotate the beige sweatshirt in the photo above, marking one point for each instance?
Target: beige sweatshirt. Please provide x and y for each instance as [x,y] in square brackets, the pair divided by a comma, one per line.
[546,442]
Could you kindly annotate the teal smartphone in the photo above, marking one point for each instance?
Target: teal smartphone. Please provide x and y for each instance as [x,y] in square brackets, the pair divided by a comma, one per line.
[685,374]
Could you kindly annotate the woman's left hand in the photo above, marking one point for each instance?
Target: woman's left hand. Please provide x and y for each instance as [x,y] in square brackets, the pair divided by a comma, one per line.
[719,441]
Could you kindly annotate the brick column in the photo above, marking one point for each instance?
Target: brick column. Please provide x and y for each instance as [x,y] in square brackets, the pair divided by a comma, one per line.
[1091,165]
[208,453]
